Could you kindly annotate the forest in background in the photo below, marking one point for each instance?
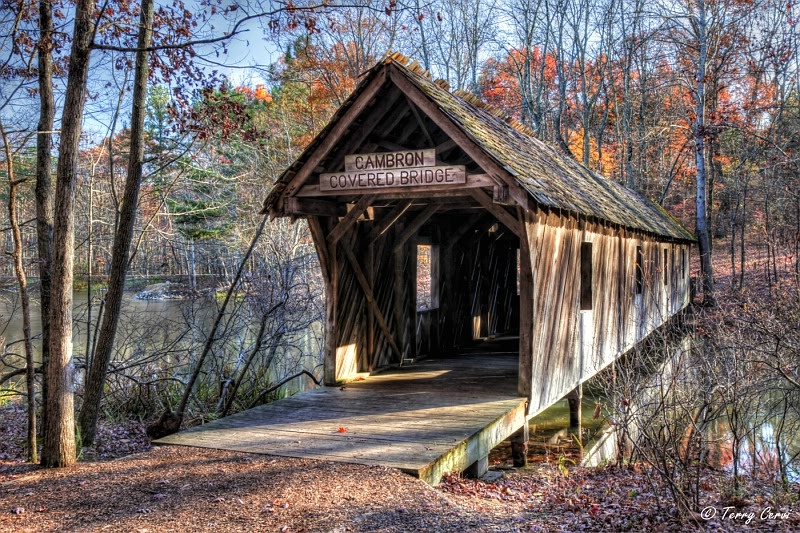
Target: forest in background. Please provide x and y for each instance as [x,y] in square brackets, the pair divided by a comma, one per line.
[612,84]
[160,149]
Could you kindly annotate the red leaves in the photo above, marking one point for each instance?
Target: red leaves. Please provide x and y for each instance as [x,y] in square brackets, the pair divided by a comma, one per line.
[342,429]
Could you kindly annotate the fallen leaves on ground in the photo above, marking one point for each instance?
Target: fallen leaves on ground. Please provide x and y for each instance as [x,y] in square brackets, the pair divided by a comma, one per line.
[190,489]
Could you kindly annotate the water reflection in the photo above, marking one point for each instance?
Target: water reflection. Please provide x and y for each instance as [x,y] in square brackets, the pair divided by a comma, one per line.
[761,453]
[163,337]
[166,319]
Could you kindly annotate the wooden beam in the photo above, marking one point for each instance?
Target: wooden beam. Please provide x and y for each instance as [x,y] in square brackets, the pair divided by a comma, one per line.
[421,123]
[350,219]
[473,181]
[369,124]
[500,194]
[336,133]
[449,144]
[467,205]
[321,245]
[417,223]
[393,146]
[469,146]
[501,214]
[394,119]
[313,206]
[526,316]
[421,197]
[389,219]
[370,355]
[331,310]
[408,128]
[362,280]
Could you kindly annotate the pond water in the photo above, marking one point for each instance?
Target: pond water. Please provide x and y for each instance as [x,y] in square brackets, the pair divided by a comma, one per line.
[758,452]
[170,316]
[158,334]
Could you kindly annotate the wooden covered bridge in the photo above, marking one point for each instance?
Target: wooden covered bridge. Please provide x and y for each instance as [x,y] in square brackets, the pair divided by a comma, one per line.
[438,222]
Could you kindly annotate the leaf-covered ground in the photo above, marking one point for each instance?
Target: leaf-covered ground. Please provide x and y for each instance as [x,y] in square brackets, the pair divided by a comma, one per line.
[187,489]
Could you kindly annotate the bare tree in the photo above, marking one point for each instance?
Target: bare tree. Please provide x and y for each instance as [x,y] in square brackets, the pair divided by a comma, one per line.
[59,433]
[22,284]
[124,233]
[699,23]
[44,168]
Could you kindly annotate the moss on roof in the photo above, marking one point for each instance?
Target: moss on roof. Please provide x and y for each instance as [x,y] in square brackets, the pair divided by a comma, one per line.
[552,179]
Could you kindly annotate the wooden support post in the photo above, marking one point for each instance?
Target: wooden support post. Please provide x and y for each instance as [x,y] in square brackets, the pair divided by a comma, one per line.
[526,289]
[420,122]
[399,297]
[331,319]
[575,399]
[410,279]
[519,446]
[478,469]
[371,309]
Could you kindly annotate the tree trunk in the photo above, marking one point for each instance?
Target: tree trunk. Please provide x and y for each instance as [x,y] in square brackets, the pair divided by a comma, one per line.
[59,436]
[190,262]
[44,183]
[703,238]
[742,232]
[22,282]
[123,236]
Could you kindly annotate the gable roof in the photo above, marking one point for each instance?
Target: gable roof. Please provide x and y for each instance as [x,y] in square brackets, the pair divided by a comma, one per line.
[552,179]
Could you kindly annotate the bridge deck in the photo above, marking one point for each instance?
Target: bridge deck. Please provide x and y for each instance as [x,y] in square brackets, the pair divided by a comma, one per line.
[434,417]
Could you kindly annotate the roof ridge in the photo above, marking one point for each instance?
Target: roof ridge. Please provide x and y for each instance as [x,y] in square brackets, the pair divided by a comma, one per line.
[407,63]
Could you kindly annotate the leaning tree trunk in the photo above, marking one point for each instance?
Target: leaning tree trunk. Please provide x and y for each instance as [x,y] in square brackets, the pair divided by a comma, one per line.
[59,435]
[170,422]
[19,271]
[124,235]
[703,237]
[44,183]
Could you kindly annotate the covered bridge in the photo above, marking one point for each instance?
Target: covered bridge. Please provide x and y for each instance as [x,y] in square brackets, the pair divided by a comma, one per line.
[518,239]
[439,223]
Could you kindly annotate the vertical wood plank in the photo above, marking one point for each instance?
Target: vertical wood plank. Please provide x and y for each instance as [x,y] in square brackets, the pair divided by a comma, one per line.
[370,262]
[526,315]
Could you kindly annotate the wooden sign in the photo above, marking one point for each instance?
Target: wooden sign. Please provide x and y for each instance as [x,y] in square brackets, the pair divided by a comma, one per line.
[385,170]
[390,160]
[400,177]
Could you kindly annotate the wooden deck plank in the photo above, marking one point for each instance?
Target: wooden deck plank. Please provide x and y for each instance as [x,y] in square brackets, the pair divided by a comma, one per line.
[434,417]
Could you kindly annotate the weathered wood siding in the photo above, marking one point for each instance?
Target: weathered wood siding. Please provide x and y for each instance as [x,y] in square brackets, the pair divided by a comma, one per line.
[355,342]
[570,345]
